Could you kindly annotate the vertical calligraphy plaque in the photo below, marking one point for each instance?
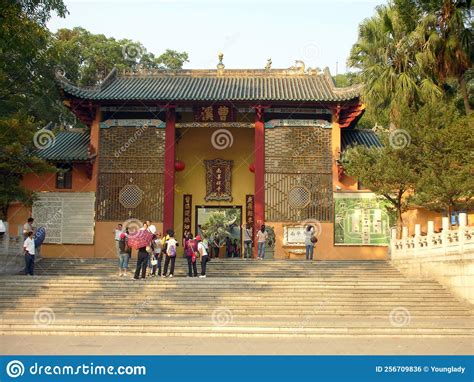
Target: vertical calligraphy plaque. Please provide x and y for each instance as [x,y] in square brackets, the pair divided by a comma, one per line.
[249,213]
[218,179]
[187,208]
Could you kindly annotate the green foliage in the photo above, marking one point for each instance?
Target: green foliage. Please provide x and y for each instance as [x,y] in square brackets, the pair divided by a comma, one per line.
[87,58]
[428,162]
[29,97]
[387,171]
[218,223]
[445,156]
[386,54]
[16,160]
[271,239]
[27,92]
[346,79]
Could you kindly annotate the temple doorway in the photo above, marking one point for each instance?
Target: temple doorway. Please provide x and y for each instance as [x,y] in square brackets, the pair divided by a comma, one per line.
[221,226]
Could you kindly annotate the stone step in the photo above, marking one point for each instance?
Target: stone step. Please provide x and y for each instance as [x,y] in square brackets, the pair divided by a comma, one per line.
[236,320]
[231,331]
[269,298]
[255,312]
[263,304]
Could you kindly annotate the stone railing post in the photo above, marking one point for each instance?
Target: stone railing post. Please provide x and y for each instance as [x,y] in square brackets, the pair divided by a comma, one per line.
[393,241]
[404,240]
[461,231]
[430,234]
[445,234]
[417,238]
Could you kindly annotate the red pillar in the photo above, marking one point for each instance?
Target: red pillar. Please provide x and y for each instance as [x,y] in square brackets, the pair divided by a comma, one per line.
[259,207]
[168,211]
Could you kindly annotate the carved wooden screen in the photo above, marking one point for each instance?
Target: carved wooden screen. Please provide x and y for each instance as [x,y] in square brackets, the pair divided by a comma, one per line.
[298,173]
[131,167]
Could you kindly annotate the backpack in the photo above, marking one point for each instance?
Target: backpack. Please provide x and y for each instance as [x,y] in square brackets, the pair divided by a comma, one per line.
[123,246]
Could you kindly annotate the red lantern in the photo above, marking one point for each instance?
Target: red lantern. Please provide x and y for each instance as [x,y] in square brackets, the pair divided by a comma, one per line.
[252,167]
[179,165]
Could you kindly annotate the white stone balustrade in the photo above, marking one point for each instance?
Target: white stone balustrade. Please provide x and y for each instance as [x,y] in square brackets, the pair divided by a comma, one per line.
[456,240]
[446,256]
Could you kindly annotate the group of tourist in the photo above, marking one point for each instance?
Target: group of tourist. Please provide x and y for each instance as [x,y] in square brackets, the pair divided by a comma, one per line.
[163,247]
[150,257]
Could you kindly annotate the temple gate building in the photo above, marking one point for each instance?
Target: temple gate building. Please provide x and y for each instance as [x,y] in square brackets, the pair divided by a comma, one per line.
[174,146]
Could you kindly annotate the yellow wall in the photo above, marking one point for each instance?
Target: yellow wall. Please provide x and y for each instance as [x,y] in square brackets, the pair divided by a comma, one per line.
[194,147]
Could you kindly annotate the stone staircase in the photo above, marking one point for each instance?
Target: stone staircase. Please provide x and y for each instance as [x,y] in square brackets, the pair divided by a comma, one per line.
[239,298]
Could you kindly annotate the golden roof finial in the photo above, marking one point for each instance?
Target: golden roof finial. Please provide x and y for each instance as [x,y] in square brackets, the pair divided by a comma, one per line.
[220,65]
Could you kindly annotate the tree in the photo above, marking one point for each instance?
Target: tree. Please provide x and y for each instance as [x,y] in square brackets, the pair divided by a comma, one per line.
[446,38]
[17,137]
[445,157]
[87,58]
[386,171]
[385,53]
[27,92]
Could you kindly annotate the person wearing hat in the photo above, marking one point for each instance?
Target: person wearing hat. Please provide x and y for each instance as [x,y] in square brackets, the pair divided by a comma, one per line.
[123,255]
[190,250]
[203,254]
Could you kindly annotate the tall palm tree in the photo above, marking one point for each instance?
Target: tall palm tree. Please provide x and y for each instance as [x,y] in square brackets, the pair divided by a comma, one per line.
[385,53]
[446,36]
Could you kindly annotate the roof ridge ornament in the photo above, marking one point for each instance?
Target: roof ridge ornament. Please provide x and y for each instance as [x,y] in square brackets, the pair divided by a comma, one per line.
[268,66]
[220,65]
[298,68]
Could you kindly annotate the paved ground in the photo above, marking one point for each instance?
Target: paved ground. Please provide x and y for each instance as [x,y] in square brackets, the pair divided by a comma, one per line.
[96,345]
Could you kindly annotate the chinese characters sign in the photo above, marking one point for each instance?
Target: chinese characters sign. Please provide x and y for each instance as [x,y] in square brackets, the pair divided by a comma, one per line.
[187,204]
[249,210]
[213,113]
[218,179]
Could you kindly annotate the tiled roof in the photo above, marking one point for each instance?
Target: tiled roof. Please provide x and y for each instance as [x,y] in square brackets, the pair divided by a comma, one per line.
[215,85]
[352,137]
[66,146]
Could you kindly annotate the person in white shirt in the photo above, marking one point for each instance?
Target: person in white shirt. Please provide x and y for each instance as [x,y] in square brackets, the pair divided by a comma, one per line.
[157,254]
[28,227]
[308,237]
[248,241]
[262,237]
[203,254]
[117,232]
[29,248]
[171,245]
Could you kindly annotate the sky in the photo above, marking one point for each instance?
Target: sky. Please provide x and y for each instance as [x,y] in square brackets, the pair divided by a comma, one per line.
[318,32]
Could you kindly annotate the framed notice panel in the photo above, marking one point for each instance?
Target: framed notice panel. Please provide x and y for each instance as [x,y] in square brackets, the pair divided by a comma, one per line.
[360,219]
